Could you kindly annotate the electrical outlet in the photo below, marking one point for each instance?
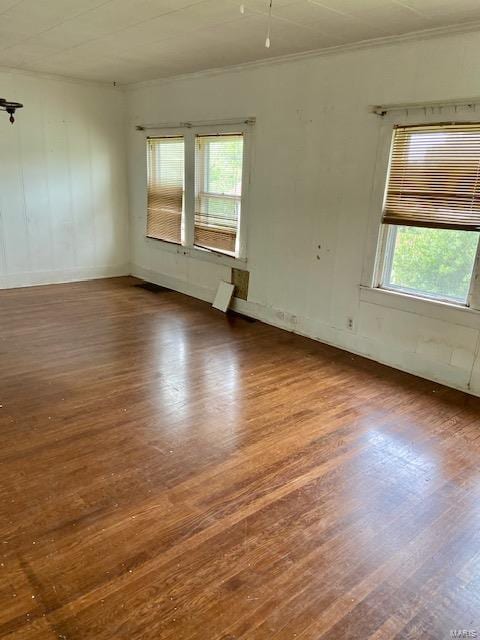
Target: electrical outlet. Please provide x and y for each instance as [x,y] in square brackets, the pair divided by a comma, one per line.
[350,323]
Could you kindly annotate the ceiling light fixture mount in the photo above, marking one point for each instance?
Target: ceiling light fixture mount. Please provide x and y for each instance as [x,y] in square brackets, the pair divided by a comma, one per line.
[10,107]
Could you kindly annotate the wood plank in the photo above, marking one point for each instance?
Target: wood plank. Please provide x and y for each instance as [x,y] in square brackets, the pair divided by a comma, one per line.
[172,473]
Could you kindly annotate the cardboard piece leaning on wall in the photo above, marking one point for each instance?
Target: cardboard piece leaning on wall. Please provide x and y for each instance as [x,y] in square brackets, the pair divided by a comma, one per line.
[223,296]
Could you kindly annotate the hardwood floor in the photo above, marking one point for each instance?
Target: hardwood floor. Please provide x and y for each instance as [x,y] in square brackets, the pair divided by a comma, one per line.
[168,472]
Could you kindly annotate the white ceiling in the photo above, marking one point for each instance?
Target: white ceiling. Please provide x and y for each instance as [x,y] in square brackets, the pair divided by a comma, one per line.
[131,40]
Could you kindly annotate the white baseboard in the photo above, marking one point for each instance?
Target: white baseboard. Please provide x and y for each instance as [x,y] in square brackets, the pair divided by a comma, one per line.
[35,278]
[357,345]
[195,291]
[345,340]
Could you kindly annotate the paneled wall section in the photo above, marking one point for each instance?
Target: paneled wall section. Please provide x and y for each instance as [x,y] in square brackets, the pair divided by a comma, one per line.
[63,199]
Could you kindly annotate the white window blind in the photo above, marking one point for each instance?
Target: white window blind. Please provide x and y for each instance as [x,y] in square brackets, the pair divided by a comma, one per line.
[165,158]
[434,178]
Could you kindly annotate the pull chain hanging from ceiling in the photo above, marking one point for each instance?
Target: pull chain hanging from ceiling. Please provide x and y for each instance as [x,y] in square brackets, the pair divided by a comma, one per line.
[267,41]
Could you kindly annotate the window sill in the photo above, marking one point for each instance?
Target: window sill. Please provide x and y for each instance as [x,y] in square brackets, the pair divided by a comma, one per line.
[207,255]
[438,309]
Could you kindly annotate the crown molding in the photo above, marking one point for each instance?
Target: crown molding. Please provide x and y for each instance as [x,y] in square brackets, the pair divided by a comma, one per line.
[412,36]
[61,78]
[424,34]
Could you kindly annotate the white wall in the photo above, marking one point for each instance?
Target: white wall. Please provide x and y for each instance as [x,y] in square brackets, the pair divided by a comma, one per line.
[315,150]
[63,200]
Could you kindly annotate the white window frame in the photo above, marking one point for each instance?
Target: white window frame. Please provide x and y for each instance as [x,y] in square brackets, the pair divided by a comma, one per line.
[189,134]
[202,170]
[381,236]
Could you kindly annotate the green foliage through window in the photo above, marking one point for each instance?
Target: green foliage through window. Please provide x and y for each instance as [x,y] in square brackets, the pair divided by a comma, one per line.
[224,165]
[433,262]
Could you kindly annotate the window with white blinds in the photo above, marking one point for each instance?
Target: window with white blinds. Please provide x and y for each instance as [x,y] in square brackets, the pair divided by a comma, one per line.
[434,178]
[431,213]
[197,191]
[165,160]
[219,163]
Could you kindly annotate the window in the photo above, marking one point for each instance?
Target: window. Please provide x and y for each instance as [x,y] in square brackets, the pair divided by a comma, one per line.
[196,189]
[219,191]
[436,263]
[431,212]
